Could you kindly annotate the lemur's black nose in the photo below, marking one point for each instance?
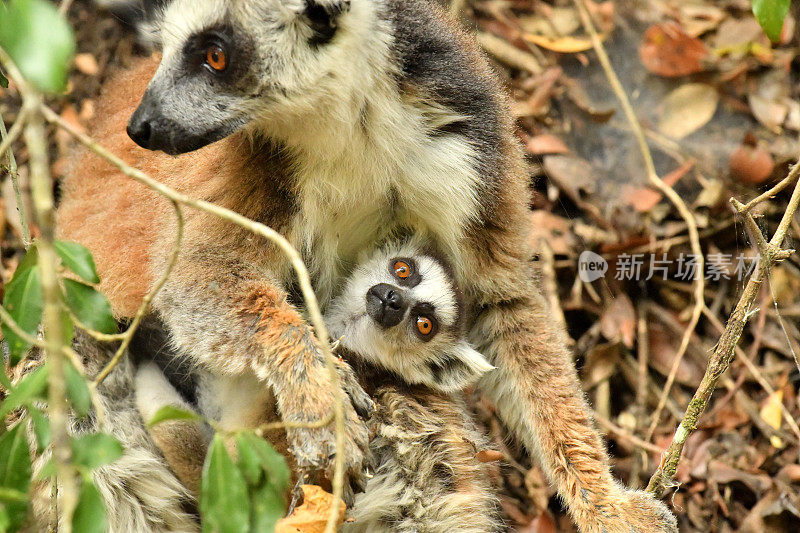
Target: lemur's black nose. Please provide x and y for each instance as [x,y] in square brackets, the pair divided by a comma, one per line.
[140,132]
[386,305]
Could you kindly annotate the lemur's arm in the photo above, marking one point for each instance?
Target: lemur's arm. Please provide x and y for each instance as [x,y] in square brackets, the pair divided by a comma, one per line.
[233,319]
[537,391]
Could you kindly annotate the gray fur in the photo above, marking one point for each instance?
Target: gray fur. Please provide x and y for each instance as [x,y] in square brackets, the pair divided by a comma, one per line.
[140,492]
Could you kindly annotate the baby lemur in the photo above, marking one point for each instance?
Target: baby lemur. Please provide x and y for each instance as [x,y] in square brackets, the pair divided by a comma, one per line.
[341,124]
[400,319]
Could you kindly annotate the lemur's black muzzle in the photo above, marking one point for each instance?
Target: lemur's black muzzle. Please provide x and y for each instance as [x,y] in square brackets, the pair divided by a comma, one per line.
[386,304]
[150,129]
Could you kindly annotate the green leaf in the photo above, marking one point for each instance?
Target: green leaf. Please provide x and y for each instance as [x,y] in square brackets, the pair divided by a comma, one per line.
[41,428]
[90,513]
[267,507]
[5,520]
[31,387]
[224,505]
[770,14]
[90,306]
[268,476]
[170,412]
[272,463]
[4,85]
[23,301]
[15,472]
[39,41]
[77,390]
[93,451]
[78,259]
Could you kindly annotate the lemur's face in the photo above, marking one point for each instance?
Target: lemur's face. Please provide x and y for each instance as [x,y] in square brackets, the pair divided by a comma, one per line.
[225,62]
[402,311]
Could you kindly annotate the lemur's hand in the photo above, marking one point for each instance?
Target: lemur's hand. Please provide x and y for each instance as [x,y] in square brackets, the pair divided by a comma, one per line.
[315,448]
[635,511]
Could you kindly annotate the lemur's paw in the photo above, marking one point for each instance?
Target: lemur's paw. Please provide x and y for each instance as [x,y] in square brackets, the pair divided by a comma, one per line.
[634,512]
[362,402]
[315,451]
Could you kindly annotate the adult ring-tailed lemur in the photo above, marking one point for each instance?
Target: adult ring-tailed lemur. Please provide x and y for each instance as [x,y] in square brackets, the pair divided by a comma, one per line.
[340,124]
[400,321]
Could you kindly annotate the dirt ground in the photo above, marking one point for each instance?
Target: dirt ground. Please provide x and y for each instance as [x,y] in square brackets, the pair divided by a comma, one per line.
[720,107]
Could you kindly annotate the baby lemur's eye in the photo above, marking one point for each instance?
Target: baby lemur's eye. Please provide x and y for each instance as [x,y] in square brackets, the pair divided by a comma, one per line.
[402,269]
[424,325]
[216,58]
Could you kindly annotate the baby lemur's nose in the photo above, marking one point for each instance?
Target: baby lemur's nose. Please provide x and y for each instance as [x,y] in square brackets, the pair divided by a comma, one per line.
[386,304]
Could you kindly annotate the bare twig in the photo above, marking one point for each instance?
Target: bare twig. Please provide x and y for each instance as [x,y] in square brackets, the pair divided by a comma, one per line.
[42,193]
[6,139]
[725,348]
[785,182]
[755,372]
[550,284]
[666,190]
[63,9]
[508,54]
[625,435]
[127,337]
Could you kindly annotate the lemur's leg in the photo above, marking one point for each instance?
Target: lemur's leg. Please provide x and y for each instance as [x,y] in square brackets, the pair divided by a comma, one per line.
[427,478]
[538,394]
[233,320]
[183,443]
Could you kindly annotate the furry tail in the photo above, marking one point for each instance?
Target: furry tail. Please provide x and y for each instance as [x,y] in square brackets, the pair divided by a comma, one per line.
[140,492]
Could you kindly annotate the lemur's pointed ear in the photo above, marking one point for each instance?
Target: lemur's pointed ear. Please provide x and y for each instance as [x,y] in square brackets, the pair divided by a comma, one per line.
[323,18]
[459,367]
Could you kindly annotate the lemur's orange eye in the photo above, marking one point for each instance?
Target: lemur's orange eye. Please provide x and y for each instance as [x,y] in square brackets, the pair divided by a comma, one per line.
[424,325]
[215,58]
[402,269]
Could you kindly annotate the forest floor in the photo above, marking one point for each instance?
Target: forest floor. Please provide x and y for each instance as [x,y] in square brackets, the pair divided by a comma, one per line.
[720,107]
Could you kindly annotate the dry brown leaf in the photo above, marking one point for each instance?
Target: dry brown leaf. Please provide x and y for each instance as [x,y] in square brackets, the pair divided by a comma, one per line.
[769,113]
[697,19]
[771,414]
[546,144]
[541,524]
[564,45]
[552,22]
[554,229]
[751,164]
[489,456]
[687,109]
[663,349]
[312,516]
[667,50]
[644,199]
[602,362]
[618,322]
[87,64]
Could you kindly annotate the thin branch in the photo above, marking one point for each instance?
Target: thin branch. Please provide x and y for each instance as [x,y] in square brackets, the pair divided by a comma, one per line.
[785,182]
[291,424]
[755,372]
[63,9]
[6,139]
[284,245]
[625,435]
[508,54]
[42,193]
[723,352]
[666,190]
[66,351]
[145,305]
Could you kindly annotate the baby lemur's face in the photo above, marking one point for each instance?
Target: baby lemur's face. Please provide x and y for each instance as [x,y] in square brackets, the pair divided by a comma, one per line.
[401,310]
